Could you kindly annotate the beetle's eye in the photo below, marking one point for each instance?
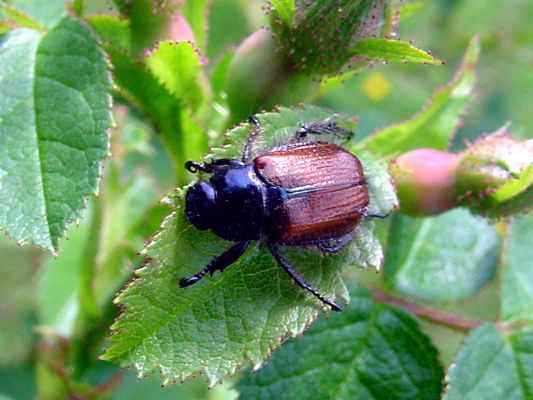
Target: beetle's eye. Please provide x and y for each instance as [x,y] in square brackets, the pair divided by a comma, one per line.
[200,205]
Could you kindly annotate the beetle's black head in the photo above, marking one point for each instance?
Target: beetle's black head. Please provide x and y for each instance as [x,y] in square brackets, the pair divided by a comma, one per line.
[200,205]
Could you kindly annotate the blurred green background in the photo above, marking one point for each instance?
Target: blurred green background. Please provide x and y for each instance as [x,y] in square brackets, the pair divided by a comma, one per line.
[379,95]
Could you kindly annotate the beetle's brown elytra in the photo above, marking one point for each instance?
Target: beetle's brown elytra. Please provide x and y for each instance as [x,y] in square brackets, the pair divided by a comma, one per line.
[327,192]
[304,193]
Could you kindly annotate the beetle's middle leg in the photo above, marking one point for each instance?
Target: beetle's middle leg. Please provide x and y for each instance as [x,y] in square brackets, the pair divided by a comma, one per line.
[297,278]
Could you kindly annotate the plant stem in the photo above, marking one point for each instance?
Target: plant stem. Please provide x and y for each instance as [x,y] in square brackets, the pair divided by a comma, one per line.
[431,314]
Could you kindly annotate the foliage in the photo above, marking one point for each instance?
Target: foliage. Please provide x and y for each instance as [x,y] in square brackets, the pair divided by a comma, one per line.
[349,356]
[250,308]
[183,76]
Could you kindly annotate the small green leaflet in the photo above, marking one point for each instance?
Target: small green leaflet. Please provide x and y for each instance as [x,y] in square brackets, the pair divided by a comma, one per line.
[456,250]
[494,366]
[392,51]
[236,317]
[54,116]
[177,67]
[434,125]
[369,351]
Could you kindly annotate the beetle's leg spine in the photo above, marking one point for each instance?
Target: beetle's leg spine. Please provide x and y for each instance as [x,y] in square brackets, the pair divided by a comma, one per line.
[297,278]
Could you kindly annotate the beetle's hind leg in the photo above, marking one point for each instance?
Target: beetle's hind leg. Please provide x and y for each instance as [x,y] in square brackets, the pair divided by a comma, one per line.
[327,126]
[219,263]
[297,278]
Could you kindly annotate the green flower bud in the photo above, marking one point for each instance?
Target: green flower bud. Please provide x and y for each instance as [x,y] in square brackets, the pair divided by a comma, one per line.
[491,170]
[319,37]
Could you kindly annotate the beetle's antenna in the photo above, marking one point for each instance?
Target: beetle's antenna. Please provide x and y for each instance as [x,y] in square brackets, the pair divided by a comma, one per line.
[219,263]
[297,278]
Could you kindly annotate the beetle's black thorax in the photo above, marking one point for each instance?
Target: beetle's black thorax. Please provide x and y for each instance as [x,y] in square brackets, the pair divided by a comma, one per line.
[240,203]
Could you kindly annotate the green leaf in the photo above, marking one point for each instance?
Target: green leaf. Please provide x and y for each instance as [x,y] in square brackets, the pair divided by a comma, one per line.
[177,66]
[435,125]
[231,318]
[369,351]
[383,199]
[137,84]
[54,113]
[47,12]
[492,366]
[111,30]
[392,51]
[444,258]
[285,10]
[147,19]
[196,14]
[517,285]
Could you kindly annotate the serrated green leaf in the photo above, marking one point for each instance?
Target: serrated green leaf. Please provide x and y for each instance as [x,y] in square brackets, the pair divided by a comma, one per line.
[136,83]
[177,66]
[285,10]
[492,366]
[47,12]
[369,351]
[390,50]
[232,318]
[444,258]
[435,125]
[381,189]
[147,19]
[54,116]
[517,285]
[111,30]
[196,14]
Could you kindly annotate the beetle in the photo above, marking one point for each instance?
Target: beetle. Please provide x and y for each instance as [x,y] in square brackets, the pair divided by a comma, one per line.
[303,193]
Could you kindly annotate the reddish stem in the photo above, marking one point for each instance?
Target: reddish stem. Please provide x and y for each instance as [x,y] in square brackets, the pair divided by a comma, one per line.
[431,314]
